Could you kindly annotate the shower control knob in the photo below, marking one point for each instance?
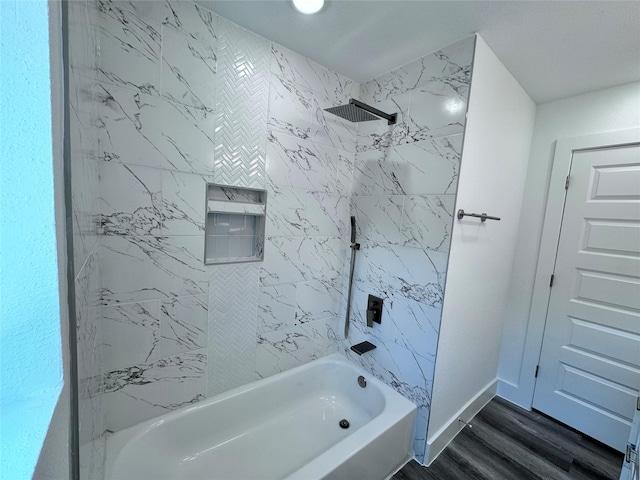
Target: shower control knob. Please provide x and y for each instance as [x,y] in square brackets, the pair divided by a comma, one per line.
[374,310]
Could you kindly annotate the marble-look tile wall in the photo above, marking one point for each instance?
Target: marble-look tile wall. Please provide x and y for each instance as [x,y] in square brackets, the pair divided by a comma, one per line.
[241,142]
[84,190]
[186,97]
[309,165]
[404,188]
[155,127]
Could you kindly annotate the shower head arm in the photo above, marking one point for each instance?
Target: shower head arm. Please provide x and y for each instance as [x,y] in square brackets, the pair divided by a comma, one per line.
[391,119]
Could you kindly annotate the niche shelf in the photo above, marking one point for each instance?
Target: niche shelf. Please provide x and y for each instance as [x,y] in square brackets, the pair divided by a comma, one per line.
[234,225]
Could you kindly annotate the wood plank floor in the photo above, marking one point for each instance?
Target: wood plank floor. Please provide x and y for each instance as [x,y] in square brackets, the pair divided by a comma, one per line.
[510,443]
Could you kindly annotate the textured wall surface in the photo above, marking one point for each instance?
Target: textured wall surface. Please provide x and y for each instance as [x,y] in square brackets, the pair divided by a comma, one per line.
[404,189]
[31,363]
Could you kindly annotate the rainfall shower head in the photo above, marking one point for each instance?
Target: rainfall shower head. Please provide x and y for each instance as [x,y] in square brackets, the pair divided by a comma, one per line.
[356,111]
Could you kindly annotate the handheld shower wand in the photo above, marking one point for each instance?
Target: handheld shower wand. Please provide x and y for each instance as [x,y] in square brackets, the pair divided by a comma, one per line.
[354,246]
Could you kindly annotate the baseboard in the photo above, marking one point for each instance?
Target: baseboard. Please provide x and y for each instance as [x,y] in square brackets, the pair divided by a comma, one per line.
[514,394]
[446,434]
[504,384]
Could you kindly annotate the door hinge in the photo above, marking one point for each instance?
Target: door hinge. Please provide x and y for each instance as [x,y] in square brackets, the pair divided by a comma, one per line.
[537,368]
[566,183]
[638,403]
[631,455]
[551,281]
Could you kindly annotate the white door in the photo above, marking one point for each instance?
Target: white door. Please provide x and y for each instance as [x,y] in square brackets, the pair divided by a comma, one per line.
[589,369]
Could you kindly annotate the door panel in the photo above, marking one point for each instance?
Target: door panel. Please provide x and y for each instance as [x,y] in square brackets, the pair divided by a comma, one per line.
[603,366]
[589,372]
[615,182]
[613,237]
[587,387]
[600,339]
[607,289]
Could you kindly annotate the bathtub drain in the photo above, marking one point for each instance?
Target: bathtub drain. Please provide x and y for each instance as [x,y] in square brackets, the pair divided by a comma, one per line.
[344,423]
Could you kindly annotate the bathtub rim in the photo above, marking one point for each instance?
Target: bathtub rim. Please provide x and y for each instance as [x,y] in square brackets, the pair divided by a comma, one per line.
[396,408]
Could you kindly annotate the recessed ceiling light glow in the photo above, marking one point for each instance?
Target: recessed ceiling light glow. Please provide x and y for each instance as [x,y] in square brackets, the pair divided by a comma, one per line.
[308,6]
[454,105]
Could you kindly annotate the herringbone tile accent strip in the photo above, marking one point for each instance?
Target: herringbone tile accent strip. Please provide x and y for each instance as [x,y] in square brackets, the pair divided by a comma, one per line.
[241,107]
[233,319]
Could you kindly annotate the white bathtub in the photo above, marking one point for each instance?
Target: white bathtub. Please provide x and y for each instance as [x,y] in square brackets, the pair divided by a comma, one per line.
[282,427]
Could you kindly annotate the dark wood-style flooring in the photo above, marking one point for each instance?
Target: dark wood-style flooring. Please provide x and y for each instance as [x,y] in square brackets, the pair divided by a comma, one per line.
[510,443]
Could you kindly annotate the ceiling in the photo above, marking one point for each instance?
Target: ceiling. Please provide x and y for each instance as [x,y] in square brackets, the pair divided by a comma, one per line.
[555,49]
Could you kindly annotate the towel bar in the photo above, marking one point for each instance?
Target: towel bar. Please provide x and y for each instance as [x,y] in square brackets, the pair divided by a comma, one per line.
[482,216]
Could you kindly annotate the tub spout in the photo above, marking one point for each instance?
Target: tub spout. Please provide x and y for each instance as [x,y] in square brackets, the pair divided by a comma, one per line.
[363,347]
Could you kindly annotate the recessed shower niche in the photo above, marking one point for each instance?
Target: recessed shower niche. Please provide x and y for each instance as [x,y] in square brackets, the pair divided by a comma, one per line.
[234,226]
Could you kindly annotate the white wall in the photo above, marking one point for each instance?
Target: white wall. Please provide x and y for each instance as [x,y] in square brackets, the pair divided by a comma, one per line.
[492,177]
[606,110]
